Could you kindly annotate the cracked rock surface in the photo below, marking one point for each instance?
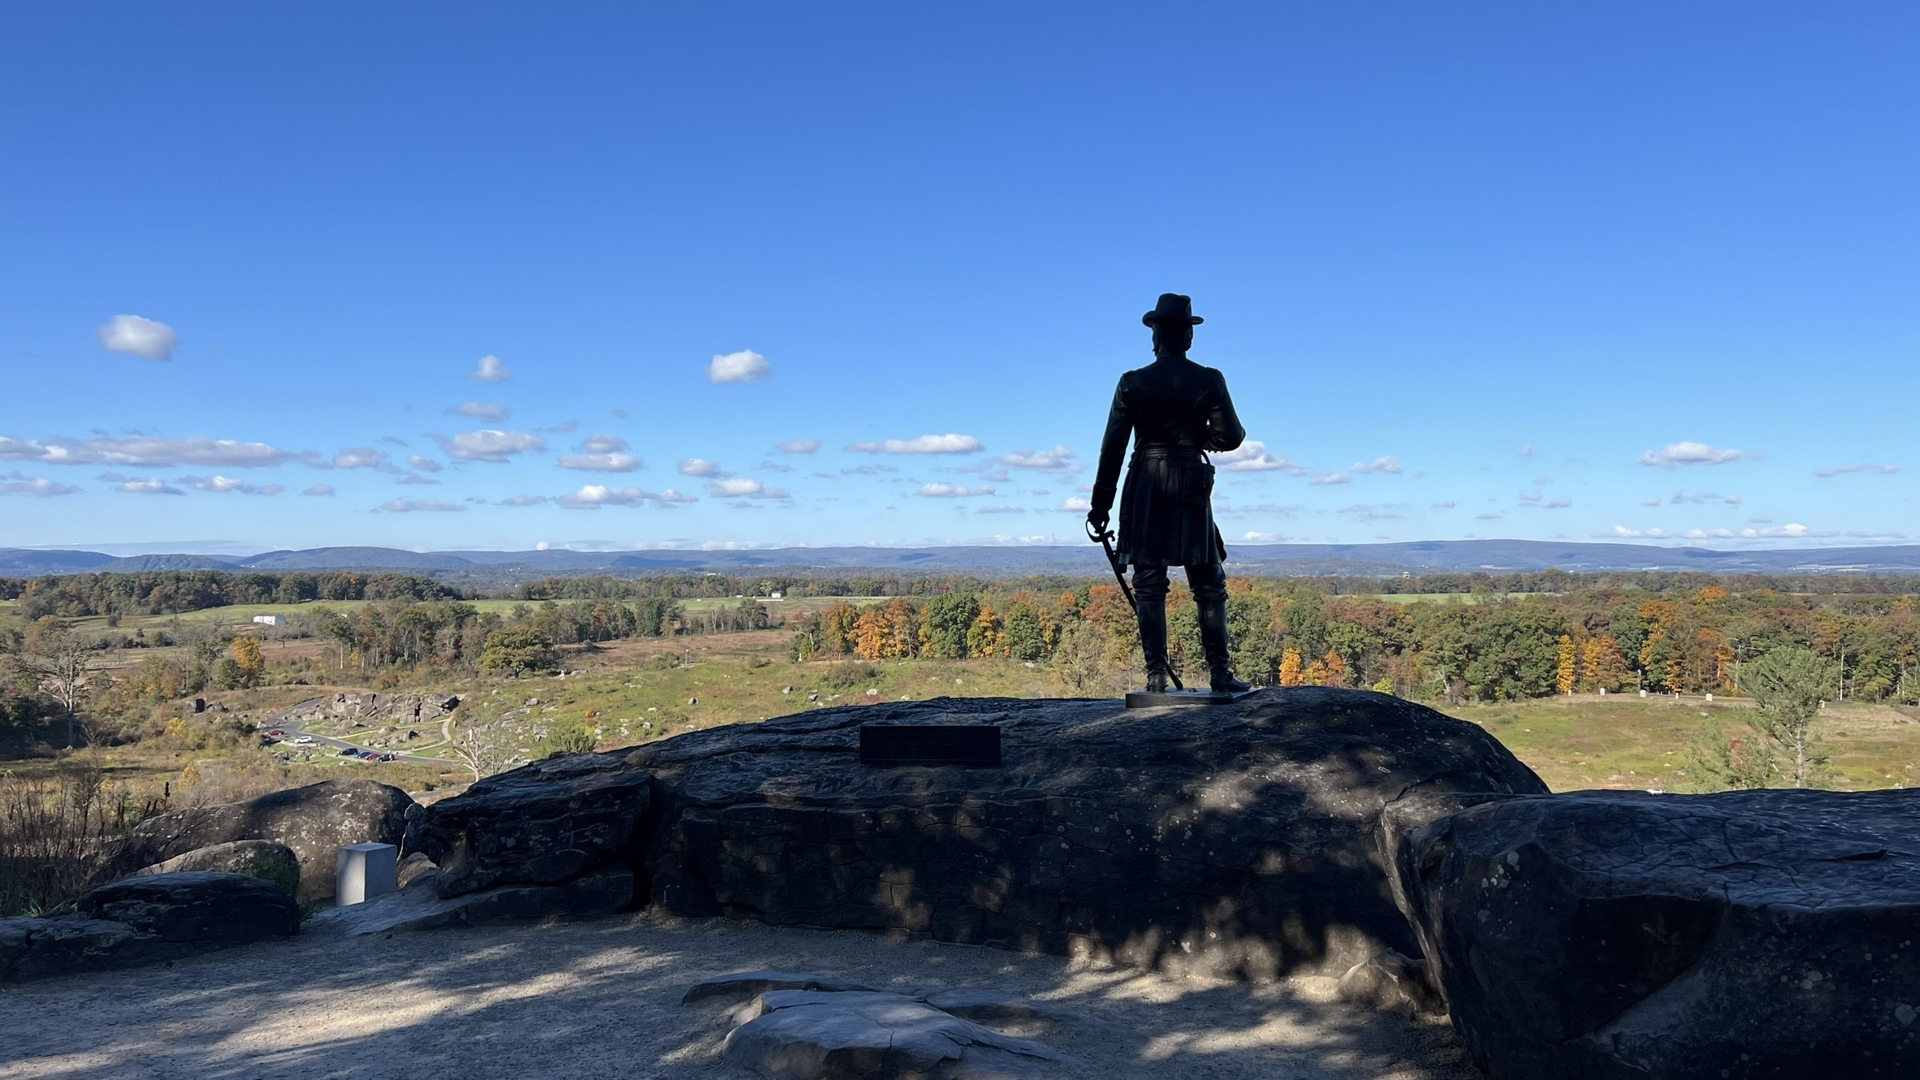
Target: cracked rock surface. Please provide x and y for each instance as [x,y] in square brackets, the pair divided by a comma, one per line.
[1615,934]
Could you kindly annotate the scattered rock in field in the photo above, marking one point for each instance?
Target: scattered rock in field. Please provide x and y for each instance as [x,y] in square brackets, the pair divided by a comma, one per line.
[745,984]
[693,701]
[811,1035]
[268,860]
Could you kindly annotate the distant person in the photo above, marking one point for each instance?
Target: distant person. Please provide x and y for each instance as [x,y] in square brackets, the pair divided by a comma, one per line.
[1175,410]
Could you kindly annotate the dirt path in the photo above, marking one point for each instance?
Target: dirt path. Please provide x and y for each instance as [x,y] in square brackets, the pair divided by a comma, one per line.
[600,998]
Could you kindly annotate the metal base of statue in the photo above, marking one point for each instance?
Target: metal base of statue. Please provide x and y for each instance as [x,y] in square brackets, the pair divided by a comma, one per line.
[1144,699]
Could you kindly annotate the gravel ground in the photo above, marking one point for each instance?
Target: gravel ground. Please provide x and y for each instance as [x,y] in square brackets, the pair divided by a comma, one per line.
[601,998]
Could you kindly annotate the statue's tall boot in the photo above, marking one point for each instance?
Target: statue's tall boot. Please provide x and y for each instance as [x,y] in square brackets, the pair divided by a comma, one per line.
[1153,641]
[1213,640]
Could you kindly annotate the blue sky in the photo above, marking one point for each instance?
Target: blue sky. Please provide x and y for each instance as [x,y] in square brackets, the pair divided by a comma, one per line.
[1598,270]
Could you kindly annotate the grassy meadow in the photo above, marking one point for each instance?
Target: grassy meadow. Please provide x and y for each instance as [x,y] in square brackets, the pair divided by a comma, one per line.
[639,689]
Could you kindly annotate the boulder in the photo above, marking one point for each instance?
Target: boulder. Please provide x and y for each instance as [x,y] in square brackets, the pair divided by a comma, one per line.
[268,860]
[1748,934]
[147,920]
[206,909]
[542,824]
[600,892]
[1236,840]
[315,821]
[814,1035]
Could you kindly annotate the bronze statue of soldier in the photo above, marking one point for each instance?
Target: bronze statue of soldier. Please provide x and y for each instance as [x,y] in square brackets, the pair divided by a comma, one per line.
[1175,411]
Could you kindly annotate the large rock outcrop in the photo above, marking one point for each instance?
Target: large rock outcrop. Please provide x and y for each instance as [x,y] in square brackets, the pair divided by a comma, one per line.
[1610,935]
[543,824]
[315,821]
[1232,839]
[1240,840]
[147,920]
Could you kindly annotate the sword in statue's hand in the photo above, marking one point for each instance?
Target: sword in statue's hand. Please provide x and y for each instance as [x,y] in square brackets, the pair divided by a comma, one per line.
[1104,537]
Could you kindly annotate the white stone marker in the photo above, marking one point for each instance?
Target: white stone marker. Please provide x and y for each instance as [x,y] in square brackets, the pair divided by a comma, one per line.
[365,871]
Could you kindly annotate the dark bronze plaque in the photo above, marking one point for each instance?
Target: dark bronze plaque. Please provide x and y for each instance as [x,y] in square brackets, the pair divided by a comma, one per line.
[966,745]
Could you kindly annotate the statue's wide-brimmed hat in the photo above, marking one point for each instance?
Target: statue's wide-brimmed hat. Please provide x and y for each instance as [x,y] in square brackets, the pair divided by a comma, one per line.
[1173,308]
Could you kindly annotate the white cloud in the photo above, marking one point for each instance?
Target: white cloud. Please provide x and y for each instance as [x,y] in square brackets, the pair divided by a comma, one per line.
[228,483]
[1077,505]
[1842,470]
[145,485]
[409,506]
[488,445]
[1265,538]
[1332,478]
[925,444]
[1059,460]
[1624,533]
[952,491]
[595,496]
[424,464]
[1692,453]
[743,366]
[1369,512]
[799,446]
[21,484]
[136,336]
[490,369]
[602,453]
[1000,510]
[1538,499]
[1527,450]
[359,457]
[415,478]
[703,468]
[672,497]
[481,410]
[1698,498]
[1388,464]
[1448,505]
[1791,530]
[567,427]
[1253,456]
[319,489]
[524,500]
[602,462]
[740,487]
[146,451]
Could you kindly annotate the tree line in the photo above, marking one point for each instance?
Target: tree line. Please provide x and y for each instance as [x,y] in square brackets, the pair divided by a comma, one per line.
[1491,647]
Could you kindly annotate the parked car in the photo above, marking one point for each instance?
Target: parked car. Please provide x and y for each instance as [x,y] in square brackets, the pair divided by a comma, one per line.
[368,755]
[276,733]
[389,757]
[304,740]
[351,751]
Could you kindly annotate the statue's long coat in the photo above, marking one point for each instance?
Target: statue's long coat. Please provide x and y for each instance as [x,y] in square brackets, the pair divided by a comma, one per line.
[1175,410]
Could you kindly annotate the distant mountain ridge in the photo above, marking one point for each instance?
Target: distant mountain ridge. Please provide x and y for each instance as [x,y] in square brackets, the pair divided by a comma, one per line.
[1416,557]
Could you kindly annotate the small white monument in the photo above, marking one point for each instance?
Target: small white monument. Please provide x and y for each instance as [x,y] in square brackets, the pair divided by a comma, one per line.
[365,871]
